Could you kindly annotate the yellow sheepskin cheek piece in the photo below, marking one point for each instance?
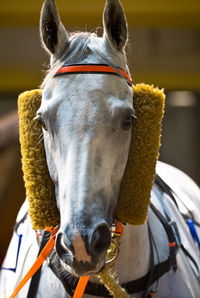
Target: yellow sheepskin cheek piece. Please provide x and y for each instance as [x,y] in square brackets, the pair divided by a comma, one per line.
[39,186]
[135,191]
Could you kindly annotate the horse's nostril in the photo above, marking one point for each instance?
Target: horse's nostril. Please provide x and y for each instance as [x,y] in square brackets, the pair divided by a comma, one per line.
[101,239]
[62,251]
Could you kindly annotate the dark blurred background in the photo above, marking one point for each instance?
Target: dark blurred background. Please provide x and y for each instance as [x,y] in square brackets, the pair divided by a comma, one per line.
[164,50]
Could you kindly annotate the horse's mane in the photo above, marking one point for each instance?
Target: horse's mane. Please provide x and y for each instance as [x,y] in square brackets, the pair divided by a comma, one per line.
[79,48]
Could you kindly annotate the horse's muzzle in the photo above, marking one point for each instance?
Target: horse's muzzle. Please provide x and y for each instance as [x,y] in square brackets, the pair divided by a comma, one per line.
[84,252]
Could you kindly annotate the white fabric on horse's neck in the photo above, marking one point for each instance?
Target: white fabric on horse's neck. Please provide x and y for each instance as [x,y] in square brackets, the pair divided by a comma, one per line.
[188,199]
[135,251]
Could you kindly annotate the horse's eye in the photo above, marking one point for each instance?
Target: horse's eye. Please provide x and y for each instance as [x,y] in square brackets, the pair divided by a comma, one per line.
[41,122]
[127,122]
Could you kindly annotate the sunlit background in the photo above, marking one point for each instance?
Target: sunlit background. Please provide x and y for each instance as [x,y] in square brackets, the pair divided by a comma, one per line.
[163,49]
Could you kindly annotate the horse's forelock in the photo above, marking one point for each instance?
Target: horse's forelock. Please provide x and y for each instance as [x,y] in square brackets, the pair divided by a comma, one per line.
[81,46]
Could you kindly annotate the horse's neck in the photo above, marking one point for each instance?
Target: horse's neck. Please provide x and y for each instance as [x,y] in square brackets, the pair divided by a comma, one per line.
[134,257]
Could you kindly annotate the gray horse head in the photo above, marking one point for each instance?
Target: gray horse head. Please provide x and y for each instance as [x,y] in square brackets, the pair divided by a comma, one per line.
[87,120]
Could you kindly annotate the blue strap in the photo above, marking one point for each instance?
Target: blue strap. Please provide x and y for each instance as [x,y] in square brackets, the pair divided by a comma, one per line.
[17,257]
[193,231]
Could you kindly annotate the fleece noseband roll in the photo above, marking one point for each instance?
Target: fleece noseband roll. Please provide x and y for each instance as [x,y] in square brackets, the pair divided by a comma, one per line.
[135,191]
[38,184]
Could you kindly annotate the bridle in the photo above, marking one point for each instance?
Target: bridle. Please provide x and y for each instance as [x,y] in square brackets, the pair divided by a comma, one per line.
[94,68]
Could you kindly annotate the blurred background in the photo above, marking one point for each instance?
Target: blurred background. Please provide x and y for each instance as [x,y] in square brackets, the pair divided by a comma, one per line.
[164,49]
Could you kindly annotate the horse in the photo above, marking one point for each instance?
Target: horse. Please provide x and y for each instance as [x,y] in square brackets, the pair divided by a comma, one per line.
[86,121]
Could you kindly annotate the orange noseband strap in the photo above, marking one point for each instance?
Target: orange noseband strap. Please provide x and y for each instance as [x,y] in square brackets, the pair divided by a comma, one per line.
[94,68]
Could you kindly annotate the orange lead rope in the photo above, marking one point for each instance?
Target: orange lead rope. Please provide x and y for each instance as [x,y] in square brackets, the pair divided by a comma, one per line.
[38,263]
[80,289]
[40,260]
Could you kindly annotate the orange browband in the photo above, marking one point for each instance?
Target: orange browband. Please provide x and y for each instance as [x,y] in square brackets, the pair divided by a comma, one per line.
[94,68]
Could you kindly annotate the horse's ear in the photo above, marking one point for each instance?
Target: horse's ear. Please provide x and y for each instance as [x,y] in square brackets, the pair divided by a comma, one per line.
[53,34]
[115,25]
